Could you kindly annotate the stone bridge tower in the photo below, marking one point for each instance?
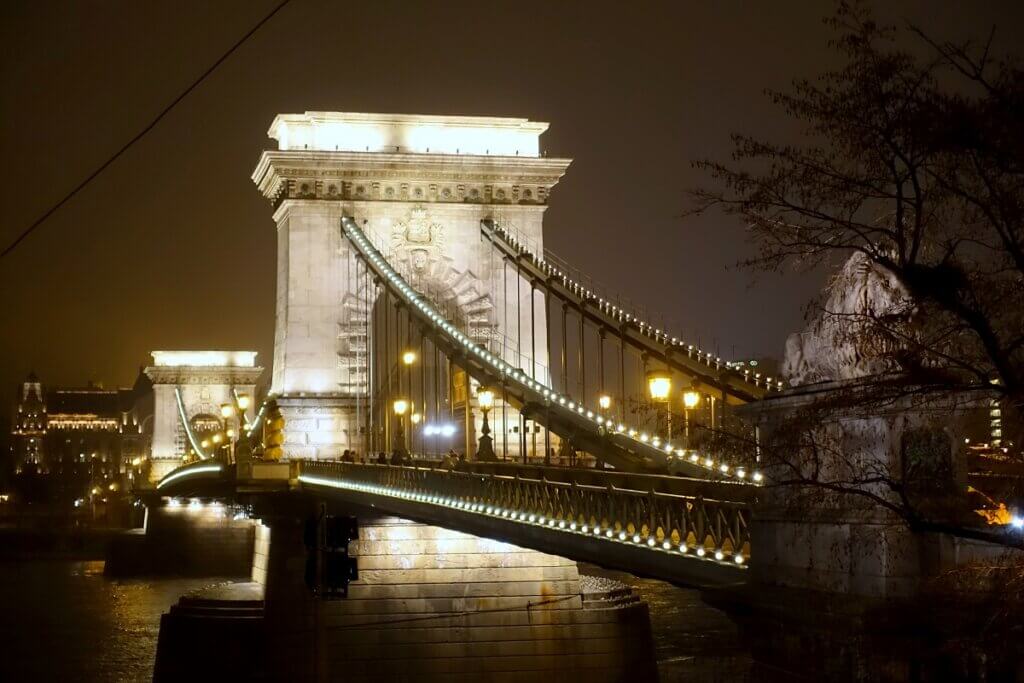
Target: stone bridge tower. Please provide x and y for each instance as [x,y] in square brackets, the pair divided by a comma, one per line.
[419,186]
[205,380]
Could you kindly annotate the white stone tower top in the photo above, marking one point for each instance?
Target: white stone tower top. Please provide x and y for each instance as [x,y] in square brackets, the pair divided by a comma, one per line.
[199,359]
[408,133]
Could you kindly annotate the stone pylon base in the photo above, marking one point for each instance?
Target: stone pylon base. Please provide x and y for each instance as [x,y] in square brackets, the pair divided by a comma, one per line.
[161,467]
[433,604]
[314,427]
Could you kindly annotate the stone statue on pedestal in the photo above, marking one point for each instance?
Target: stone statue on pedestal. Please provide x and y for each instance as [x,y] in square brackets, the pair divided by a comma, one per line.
[846,340]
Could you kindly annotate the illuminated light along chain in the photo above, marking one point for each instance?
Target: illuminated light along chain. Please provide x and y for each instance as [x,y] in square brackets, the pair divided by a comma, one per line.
[186,473]
[667,450]
[528,518]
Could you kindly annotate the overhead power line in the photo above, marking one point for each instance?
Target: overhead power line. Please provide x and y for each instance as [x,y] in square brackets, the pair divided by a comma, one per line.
[53,209]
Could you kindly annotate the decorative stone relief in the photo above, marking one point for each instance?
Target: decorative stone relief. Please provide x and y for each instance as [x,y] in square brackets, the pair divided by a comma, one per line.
[334,189]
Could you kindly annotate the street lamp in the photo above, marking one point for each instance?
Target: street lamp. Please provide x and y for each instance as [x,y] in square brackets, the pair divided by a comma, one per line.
[415,419]
[691,398]
[243,402]
[409,357]
[660,386]
[485,449]
[605,401]
[401,407]
[227,411]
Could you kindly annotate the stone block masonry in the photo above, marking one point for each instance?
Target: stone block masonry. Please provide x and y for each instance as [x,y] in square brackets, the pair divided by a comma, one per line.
[433,604]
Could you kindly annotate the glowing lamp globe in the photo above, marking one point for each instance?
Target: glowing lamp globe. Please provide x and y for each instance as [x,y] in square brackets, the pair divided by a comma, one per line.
[660,386]
[486,399]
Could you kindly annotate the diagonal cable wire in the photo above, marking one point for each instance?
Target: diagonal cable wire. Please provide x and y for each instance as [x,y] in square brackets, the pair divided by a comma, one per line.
[53,209]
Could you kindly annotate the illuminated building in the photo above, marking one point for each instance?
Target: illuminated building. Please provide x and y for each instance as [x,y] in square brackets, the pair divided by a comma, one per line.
[29,424]
[82,440]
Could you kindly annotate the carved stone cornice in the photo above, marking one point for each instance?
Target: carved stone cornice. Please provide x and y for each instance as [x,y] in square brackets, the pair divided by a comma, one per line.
[338,176]
[159,374]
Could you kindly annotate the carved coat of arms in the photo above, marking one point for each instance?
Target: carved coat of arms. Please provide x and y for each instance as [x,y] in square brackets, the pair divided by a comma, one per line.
[419,237]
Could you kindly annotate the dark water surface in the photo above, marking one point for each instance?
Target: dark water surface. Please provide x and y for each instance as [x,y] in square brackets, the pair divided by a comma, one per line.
[65,621]
[693,642]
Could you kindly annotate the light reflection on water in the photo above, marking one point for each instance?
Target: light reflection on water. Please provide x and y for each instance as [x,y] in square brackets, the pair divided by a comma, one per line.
[65,621]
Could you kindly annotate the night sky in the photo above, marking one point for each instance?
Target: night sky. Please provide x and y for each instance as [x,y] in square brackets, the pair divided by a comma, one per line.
[173,247]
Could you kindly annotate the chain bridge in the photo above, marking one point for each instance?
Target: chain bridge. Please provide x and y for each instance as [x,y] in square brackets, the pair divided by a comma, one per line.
[663,507]
[457,417]
[483,414]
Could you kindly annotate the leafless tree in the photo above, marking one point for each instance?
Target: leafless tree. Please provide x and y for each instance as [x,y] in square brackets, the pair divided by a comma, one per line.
[914,159]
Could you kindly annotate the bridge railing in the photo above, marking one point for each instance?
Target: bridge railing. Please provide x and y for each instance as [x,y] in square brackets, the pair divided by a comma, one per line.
[706,527]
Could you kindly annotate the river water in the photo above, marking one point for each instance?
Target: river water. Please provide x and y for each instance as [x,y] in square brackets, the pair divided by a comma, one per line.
[65,621]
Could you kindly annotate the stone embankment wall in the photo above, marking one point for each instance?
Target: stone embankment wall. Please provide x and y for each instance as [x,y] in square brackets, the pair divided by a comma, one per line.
[185,538]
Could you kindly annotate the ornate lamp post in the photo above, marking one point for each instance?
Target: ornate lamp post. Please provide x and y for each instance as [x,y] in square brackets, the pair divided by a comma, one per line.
[217,439]
[485,448]
[227,411]
[660,386]
[401,407]
[415,419]
[408,359]
[690,400]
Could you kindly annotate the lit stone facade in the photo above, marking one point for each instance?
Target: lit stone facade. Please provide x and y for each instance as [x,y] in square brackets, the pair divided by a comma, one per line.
[419,186]
[206,380]
[29,424]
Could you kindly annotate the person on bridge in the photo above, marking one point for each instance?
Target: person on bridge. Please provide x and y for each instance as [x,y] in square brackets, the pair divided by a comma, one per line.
[382,459]
[448,462]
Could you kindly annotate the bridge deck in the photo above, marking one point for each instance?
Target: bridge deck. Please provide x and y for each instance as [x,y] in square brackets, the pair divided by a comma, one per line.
[675,530]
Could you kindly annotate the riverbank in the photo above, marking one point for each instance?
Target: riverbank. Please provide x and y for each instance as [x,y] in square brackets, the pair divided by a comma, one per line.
[53,544]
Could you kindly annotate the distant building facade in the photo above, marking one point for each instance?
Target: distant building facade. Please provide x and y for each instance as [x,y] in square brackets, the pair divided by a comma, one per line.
[29,424]
[87,443]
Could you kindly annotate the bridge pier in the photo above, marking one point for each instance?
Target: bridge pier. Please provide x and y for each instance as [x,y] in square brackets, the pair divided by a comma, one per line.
[435,604]
[184,537]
